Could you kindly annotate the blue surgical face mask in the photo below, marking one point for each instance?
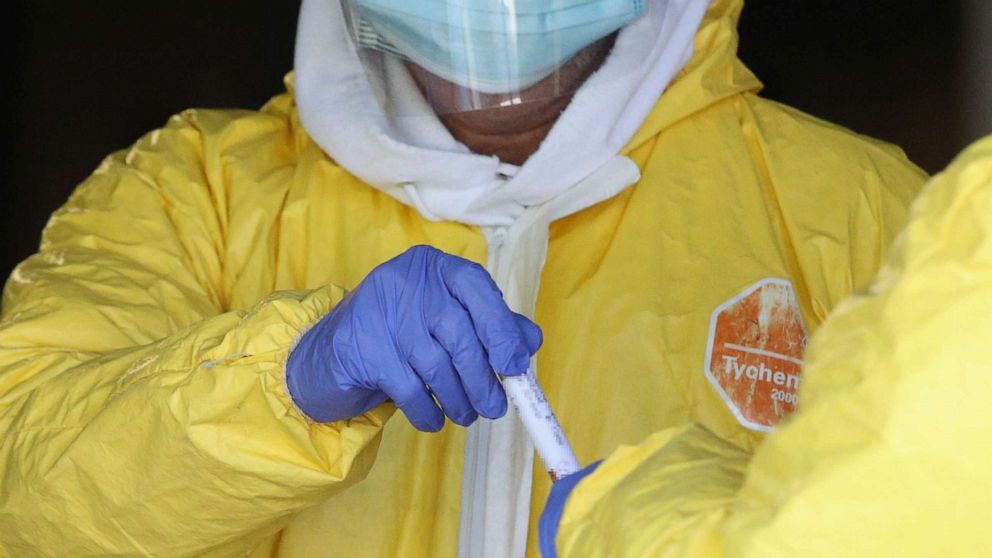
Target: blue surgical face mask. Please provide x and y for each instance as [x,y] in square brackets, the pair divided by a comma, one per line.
[489,46]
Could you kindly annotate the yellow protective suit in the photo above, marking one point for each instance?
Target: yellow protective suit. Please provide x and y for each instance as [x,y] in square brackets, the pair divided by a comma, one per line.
[888,455]
[142,408]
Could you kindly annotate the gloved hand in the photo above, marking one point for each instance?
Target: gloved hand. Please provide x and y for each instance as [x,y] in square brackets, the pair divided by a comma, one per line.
[547,527]
[423,326]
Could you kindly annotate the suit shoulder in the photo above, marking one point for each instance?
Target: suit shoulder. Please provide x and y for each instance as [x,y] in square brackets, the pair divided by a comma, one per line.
[806,148]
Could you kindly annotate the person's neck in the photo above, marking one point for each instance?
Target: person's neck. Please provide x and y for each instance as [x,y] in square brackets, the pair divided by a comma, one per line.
[513,132]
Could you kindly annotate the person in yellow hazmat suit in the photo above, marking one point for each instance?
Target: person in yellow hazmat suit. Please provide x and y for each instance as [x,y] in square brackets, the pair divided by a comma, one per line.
[206,355]
[887,455]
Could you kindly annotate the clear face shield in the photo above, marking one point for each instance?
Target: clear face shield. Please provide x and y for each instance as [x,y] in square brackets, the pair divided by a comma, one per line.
[467,55]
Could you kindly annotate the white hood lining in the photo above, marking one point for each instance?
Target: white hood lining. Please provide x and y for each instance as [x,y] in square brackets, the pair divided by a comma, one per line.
[418,162]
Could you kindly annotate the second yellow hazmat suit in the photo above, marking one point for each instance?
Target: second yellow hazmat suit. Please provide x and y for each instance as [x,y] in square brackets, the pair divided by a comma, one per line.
[142,350]
[889,453]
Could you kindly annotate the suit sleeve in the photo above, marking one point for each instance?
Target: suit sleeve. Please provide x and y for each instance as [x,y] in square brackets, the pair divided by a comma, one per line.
[888,454]
[138,414]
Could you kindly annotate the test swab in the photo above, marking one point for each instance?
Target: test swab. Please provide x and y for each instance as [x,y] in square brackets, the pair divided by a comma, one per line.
[539,420]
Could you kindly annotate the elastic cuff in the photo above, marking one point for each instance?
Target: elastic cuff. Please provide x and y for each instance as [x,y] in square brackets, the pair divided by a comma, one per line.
[555,508]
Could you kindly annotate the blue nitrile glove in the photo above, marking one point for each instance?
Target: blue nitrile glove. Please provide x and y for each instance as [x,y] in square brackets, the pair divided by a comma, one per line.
[423,326]
[547,528]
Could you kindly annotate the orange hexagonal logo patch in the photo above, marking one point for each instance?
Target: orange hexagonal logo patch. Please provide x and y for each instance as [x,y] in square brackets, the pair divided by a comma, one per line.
[755,350]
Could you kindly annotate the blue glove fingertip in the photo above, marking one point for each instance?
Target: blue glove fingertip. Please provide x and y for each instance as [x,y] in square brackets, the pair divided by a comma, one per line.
[533,336]
[499,407]
[465,420]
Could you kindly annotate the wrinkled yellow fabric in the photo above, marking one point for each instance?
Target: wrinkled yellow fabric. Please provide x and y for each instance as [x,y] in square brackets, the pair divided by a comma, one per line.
[889,452]
[142,409]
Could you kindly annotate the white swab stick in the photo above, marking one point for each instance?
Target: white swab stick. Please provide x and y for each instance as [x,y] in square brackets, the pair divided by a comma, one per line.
[541,424]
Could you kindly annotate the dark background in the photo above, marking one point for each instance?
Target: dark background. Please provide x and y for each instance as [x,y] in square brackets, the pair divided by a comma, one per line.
[87,78]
